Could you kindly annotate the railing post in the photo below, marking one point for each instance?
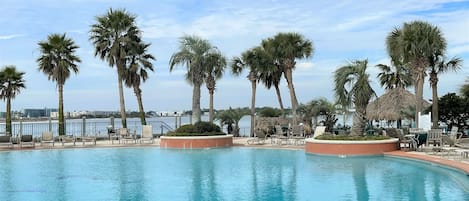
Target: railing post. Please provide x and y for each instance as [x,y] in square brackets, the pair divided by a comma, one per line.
[50,124]
[112,122]
[21,126]
[83,126]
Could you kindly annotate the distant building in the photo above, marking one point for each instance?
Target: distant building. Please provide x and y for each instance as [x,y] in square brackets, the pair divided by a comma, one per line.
[35,113]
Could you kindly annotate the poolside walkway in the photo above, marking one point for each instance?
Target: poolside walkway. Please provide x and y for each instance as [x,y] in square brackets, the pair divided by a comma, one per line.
[454,160]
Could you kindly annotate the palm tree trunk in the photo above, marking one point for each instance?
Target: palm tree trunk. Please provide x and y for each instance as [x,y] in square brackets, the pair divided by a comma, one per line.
[211,113]
[279,97]
[138,94]
[291,88]
[121,99]
[359,122]
[434,83]
[418,99]
[8,117]
[61,111]
[253,102]
[196,103]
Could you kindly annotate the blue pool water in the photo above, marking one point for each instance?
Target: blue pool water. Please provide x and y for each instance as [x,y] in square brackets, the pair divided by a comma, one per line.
[220,174]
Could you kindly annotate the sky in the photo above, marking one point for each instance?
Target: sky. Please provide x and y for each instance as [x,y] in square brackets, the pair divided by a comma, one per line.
[341,31]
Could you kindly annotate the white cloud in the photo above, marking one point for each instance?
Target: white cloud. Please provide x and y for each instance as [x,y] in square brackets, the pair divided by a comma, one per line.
[11,36]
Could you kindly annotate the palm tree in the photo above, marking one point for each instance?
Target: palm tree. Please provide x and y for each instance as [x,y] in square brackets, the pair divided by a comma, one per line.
[394,76]
[139,62]
[216,65]
[194,52]
[57,61]
[272,77]
[256,60]
[285,49]
[11,83]
[414,44]
[438,65]
[352,87]
[230,117]
[114,36]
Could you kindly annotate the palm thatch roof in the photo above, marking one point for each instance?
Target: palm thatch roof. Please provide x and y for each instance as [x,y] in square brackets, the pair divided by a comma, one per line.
[390,104]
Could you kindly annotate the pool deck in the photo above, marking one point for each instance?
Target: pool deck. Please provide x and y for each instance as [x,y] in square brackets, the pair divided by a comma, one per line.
[453,161]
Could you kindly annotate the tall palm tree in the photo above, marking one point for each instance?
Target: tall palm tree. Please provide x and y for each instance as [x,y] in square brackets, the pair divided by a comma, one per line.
[216,65]
[413,45]
[352,87]
[114,36]
[394,76]
[57,61]
[285,49]
[194,52]
[11,83]
[272,77]
[256,60]
[438,65]
[139,62]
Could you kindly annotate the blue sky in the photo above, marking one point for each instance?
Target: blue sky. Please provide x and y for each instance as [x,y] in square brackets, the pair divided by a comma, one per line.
[341,31]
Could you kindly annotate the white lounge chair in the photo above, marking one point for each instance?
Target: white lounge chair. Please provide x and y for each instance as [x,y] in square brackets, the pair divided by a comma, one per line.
[125,136]
[47,137]
[319,131]
[67,139]
[259,138]
[147,134]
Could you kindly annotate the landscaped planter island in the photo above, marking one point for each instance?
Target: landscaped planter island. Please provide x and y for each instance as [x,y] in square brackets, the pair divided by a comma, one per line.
[346,147]
[196,142]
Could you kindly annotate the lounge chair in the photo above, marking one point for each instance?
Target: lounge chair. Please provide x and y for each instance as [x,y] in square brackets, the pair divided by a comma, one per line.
[434,137]
[147,134]
[67,139]
[280,135]
[5,140]
[47,137]
[318,131]
[259,139]
[125,136]
[297,134]
[88,138]
[26,140]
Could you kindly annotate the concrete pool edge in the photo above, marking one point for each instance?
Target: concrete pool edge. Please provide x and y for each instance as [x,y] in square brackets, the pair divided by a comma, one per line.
[349,148]
[196,142]
[458,165]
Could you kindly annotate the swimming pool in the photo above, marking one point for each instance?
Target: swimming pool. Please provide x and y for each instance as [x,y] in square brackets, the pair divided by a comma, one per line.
[220,174]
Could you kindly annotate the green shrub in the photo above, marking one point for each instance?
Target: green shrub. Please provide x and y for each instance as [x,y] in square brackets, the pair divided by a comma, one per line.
[198,129]
[352,137]
[206,127]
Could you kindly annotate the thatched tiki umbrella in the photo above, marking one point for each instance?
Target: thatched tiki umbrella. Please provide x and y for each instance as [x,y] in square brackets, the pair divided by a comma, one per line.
[390,104]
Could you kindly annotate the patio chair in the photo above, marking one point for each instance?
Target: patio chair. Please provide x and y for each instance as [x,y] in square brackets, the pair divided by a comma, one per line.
[147,134]
[67,139]
[434,137]
[297,134]
[280,135]
[88,138]
[47,137]
[5,140]
[259,139]
[319,131]
[26,140]
[125,136]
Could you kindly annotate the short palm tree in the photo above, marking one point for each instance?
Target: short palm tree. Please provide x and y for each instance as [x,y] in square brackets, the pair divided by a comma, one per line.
[313,109]
[352,87]
[194,53]
[232,116]
[11,83]
[139,63]
[394,76]
[256,60]
[438,65]
[414,44]
[57,61]
[286,48]
[215,67]
[114,35]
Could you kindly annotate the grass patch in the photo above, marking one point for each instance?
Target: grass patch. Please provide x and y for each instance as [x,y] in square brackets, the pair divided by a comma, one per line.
[353,138]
